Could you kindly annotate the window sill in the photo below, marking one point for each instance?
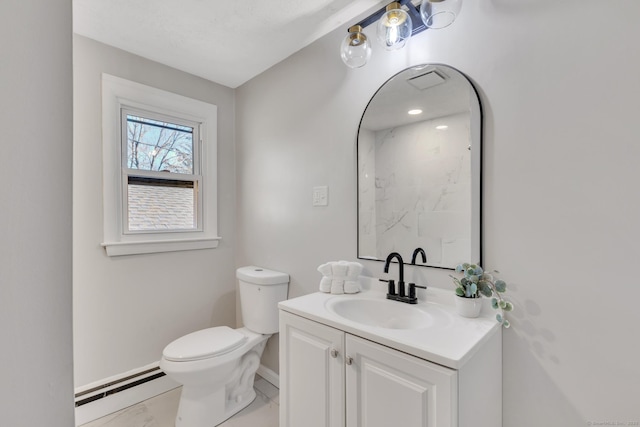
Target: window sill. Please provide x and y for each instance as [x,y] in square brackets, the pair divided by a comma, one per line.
[156,246]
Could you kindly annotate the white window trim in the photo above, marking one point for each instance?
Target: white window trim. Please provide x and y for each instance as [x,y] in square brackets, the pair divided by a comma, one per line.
[119,93]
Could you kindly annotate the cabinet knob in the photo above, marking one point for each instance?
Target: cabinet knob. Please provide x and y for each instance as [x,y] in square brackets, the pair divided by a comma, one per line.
[334,353]
[349,360]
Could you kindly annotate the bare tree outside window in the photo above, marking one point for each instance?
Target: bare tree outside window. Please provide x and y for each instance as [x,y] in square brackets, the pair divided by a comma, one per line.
[159,146]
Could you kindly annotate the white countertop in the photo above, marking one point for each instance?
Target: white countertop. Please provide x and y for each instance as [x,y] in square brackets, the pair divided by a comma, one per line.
[450,341]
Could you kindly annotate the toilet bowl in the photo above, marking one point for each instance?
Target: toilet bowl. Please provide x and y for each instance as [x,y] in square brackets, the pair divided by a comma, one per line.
[216,366]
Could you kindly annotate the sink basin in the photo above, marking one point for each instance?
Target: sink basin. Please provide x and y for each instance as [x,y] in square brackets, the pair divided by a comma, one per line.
[380,313]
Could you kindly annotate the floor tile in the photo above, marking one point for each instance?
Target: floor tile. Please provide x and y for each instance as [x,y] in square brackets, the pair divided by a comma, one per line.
[164,408]
[262,412]
[266,387]
[135,416]
[160,411]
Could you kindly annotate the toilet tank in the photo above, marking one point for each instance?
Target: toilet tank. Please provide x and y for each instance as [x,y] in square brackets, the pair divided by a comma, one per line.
[260,292]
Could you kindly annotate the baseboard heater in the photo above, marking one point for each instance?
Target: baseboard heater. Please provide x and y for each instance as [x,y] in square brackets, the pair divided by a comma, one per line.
[116,386]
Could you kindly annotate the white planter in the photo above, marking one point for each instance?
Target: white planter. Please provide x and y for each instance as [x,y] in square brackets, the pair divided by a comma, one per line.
[468,307]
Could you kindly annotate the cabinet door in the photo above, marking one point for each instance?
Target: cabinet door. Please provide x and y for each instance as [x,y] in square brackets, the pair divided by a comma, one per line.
[311,373]
[385,387]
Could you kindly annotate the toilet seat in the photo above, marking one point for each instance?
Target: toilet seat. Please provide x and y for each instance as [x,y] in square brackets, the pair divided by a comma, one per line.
[204,344]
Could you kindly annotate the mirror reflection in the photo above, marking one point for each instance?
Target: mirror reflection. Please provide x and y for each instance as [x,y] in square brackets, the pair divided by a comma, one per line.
[419,148]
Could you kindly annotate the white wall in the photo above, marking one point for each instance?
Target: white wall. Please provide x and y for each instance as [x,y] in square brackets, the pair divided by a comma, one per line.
[36,386]
[126,309]
[559,86]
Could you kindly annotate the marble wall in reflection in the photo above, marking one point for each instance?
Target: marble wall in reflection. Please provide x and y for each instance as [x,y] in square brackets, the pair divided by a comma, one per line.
[415,191]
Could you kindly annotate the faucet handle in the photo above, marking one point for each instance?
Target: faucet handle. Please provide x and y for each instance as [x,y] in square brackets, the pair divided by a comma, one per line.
[412,289]
[391,289]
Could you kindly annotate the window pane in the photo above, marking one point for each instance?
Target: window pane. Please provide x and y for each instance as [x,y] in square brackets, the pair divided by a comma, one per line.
[155,145]
[160,205]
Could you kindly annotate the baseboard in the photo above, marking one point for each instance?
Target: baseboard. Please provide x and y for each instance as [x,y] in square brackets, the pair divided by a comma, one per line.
[96,401]
[269,375]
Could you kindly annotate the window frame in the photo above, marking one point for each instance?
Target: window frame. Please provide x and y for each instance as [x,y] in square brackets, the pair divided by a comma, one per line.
[119,94]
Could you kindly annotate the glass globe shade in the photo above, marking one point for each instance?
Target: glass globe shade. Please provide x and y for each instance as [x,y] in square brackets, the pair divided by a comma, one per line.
[394,27]
[437,14]
[355,49]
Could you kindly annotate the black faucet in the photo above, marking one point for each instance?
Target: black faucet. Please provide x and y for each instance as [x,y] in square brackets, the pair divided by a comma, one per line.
[415,255]
[401,296]
[391,256]
[391,294]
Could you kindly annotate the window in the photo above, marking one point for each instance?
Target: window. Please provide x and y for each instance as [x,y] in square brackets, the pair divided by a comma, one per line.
[161,173]
[159,160]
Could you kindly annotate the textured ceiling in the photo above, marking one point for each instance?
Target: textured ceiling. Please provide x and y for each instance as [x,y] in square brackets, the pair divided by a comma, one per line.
[228,42]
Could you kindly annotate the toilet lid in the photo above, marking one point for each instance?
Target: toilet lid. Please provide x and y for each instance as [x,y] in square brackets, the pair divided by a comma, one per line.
[204,344]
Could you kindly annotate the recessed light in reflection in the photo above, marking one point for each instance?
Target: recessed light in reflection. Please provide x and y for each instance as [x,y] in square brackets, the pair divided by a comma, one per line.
[442,127]
[414,112]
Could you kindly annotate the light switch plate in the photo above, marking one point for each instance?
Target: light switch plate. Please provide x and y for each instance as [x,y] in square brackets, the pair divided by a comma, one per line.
[321,195]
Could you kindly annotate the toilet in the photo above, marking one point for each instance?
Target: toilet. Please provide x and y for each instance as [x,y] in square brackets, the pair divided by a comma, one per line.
[216,366]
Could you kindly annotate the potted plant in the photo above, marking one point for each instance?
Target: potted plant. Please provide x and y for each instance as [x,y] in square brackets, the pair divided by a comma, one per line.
[475,284]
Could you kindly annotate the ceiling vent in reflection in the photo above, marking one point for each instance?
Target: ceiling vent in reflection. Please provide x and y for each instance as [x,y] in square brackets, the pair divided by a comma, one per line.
[427,80]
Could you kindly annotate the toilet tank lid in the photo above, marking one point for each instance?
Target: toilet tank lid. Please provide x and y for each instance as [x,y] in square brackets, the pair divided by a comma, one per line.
[204,344]
[261,276]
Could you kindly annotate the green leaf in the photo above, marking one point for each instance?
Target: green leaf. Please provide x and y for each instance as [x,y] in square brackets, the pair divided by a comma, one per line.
[506,323]
[485,289]
[487,276]
[500,285]
[474,289]
[494,303]
[460,292]
[508,307]
[499,318]
[502,304]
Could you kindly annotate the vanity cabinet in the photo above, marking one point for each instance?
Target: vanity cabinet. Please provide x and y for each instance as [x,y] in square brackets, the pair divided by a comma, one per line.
[331,378]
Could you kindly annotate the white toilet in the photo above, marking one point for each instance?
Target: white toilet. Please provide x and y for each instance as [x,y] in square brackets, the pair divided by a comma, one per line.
[216,366]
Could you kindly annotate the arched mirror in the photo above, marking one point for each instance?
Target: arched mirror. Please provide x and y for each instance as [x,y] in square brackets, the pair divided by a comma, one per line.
[419,157]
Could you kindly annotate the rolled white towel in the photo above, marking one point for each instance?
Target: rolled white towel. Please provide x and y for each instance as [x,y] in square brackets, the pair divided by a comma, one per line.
[337,286]
[325,269]
[325,284]
[338,275]
[339,269]
[352,287]
[355,268]
[352,284]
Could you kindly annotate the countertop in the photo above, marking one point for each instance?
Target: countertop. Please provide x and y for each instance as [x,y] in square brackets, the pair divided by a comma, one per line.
[450,340]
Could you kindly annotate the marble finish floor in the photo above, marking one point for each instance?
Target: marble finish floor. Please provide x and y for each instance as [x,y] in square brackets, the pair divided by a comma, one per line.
[160,411]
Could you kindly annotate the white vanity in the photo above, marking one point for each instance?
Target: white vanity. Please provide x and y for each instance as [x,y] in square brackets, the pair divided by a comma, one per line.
[362,360]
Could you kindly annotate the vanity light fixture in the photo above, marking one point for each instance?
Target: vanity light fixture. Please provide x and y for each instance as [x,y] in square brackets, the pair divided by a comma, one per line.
[437,14]
[442,127]
[414,112]
[355,49]
[396,23]
[394,27]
